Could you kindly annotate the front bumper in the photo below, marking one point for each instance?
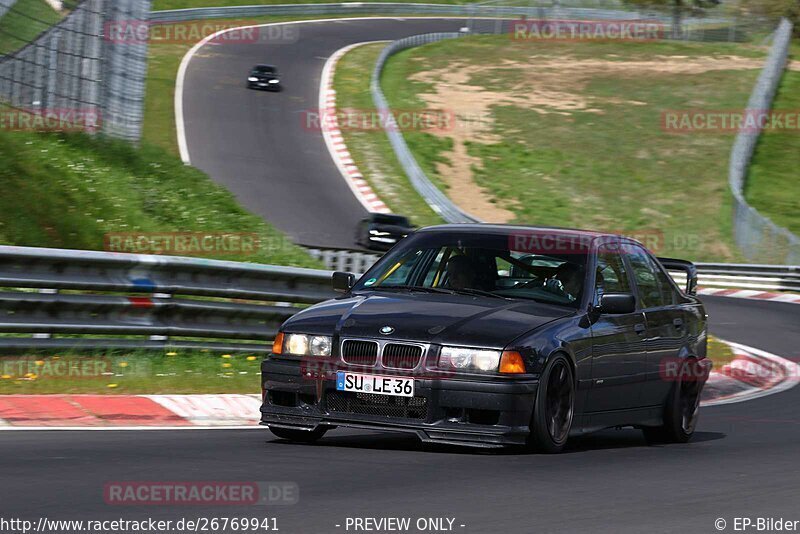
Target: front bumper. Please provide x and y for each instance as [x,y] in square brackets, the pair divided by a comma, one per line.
[264,86]
[455,411]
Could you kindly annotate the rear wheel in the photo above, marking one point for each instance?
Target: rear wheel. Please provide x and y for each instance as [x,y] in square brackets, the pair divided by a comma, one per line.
[681,411]
[555,401]
[301,436]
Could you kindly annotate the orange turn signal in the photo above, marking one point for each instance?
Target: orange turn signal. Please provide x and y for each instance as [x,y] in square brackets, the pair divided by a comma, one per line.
[511,362]
[277,345]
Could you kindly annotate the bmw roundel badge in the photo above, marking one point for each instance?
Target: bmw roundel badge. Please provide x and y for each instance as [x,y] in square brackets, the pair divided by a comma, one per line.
[386,330]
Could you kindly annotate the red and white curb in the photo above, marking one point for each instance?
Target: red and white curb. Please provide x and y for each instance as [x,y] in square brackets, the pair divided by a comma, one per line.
[751,374]
[128,412]
[750,294]
[334,139]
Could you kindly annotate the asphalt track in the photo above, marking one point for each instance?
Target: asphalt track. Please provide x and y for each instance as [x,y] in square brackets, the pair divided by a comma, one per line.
[742,462]
[258,145]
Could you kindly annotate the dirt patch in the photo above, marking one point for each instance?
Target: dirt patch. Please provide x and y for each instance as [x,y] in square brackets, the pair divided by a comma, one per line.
[546,85]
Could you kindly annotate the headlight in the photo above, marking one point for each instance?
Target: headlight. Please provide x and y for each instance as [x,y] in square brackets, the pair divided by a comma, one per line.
[252,79]
[469,359]
[305,345]
[274,81]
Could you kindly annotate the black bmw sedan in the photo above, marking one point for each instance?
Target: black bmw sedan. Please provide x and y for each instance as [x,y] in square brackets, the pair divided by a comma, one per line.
[492,335]
[264,77]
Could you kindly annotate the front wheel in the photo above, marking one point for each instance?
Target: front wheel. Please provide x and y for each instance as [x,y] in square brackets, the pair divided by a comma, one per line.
[555,402]
[681,411]
[301,436]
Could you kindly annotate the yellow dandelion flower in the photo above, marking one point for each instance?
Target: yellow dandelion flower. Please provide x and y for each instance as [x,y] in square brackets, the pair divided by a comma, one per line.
[226,365]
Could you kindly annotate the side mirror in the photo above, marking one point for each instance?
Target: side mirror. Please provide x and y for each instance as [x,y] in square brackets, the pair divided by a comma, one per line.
[617,303]
[343,282]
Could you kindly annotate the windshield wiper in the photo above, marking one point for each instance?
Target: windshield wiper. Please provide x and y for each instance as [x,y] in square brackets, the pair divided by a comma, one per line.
[479,292]
[440,290]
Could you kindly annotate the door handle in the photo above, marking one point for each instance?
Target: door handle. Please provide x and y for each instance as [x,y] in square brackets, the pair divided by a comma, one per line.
[639,328]
[678,323]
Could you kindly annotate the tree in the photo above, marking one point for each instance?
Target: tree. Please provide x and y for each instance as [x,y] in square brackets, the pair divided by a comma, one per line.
[678,9]
[774,9]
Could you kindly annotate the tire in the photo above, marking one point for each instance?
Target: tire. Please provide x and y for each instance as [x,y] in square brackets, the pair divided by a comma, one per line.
[300,436]
[681,410]
[554,409]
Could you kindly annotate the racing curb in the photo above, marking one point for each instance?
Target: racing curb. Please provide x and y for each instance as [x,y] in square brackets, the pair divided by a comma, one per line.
[750,294]
[752,373]
[334,140]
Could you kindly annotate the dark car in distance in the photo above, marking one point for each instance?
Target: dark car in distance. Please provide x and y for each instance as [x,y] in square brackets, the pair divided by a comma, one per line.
[382,231]
[264,77]
[493,335]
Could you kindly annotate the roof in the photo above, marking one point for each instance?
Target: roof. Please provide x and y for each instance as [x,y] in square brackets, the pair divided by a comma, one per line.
[492,228]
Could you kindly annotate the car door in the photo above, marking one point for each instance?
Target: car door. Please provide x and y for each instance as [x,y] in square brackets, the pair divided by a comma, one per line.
[618,341]
[665,324]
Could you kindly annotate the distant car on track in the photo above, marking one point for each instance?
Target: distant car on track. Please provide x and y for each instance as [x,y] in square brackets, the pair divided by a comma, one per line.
[492,335]
[382,231]
[264,77]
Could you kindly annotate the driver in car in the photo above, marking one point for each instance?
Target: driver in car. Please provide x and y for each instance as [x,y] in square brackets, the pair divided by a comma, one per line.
[460,273]
[567,280]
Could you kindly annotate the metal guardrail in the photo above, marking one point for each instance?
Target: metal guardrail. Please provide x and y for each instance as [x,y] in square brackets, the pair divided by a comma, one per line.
[107,294]
[756,235]
[131,301]
[436,199]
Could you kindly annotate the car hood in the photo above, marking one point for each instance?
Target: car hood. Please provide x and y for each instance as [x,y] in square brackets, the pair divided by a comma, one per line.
[429,318]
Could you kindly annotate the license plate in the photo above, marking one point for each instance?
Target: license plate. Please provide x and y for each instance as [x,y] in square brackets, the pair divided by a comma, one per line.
[380,385]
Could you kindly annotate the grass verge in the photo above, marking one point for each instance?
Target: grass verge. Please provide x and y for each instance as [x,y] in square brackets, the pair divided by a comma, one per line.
[370,147]
[570,134]
[772,185]
[130,373]
[70,190]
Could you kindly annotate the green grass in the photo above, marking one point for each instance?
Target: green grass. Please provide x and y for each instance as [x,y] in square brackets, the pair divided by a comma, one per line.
[772,185]
[370,149]
[26,20]
[615,170]
[115,372]
[181,4]
[70,190]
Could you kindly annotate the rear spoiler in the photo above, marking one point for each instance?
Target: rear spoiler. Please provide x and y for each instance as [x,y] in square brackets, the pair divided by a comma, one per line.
[687,267]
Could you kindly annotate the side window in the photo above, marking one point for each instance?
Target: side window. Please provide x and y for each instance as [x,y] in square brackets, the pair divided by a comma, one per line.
[649,279]
[611,273]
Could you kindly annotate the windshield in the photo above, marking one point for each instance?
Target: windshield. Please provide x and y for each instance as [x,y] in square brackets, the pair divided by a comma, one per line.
[265,70]
[480,265]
